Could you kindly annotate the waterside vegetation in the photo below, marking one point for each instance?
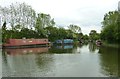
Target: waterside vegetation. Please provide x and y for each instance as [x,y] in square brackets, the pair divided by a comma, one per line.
[20,20]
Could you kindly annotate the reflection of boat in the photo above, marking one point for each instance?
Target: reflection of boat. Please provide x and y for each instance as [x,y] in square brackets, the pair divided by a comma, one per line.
[68,46]
[64,46]
[98,42]
[22,43]
[26,50]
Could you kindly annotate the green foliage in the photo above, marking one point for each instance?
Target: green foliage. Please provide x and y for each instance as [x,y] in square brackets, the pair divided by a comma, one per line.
[74,28]
[93,35]
[69,34]
[85,37]
[3,30]
[43,20]
[62,33]
[52,33]
[111,31]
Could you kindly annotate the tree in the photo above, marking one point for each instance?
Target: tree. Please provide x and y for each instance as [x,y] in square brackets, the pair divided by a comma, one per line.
[93,35]
[110,29]
[74,28]
[53,33]
[43,21]
[62,33]
[85,37]
[4,32]
[19,14]
[69,34]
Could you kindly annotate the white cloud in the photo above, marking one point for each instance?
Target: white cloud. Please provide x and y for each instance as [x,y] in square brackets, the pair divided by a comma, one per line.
[85,13]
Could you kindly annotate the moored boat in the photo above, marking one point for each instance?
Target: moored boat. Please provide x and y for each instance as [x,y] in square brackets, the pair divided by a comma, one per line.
[64,41]
[22,43]
[98,42]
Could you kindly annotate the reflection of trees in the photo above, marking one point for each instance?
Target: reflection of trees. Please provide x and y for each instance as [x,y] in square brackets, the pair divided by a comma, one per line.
[61,49]
[81,45]
[4,63]
[109,61]
[45,64]
[44,61]
[26,65]
[20,65]
[92,47]
[4,57]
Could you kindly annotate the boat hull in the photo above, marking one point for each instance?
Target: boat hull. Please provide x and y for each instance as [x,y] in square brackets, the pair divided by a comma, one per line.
[26,46]
[25,43]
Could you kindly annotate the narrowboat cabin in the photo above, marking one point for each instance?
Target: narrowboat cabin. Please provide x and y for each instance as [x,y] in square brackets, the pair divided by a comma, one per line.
[64,41]
[67,41]
[22,43]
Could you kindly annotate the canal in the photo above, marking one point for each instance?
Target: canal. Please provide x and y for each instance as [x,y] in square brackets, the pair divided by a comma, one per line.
[86,60]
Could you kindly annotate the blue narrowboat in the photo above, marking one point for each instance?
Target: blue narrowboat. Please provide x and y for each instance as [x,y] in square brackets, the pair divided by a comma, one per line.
[64,41]
[67,41]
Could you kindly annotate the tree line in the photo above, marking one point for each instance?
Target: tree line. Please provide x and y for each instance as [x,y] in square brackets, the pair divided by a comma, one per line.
[19,20]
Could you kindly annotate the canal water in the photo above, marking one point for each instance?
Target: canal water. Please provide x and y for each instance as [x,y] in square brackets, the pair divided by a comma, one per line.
[61,61]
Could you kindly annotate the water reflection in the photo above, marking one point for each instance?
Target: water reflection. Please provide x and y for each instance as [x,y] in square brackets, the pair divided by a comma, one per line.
[64,46]
[60,49]
[62,60]
[18,63]
[66,49]
[93,47]
[0,63]
[45,64]
[26,50]
[109,60]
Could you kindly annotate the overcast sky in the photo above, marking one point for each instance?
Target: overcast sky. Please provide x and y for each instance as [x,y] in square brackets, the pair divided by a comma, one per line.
[88,14]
